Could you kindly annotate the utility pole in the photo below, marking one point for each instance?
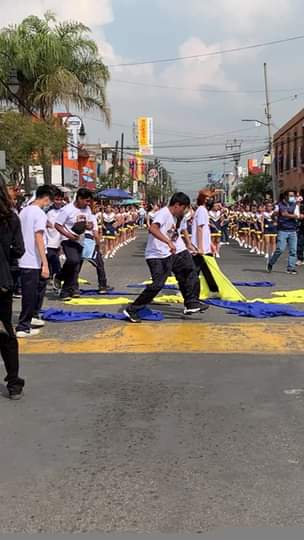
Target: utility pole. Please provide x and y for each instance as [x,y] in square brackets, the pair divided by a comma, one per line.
[122,149]
[270,137]
[234,147]
[115,162]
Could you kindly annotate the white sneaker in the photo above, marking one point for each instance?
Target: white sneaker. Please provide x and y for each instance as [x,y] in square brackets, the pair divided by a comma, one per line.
[262,252]
[217,256]
[252,250]
[37,322]
[258,252]
[22,334]
[245,246]
[267,256]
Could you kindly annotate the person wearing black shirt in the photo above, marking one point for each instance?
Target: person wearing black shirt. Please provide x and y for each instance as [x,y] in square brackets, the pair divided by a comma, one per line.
[11,247]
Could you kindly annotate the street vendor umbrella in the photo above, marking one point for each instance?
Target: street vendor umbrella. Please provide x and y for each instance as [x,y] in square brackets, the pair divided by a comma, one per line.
[113,193]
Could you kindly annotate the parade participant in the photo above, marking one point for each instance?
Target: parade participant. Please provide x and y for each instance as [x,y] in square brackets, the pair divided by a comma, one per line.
[33,264]
[91,253]
[109,232]
[270,230]
[259,230]
[141,216]
[288,214]
[71,224]
[225,226]
[300,248]
[11,247]
[253,228]
[166,252]
[151,214]
[53,236]
[201,240]
[215,220]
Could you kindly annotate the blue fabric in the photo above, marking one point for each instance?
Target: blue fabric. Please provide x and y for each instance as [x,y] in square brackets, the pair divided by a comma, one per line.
[286,223]
[290,239]
[253,284]
[94,292]
[114,193]
[236,283]
[60,315]
[257,310]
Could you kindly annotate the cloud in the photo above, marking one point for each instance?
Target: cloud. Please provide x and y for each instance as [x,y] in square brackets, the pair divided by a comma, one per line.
[239,16]
[90,12]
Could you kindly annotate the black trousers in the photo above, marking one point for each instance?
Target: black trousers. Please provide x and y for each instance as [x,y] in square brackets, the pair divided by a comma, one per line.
[53,260]
[184,270]
[33,288]
[9,343]
[98,263]
[70,271]
[201,266]
[225,233]
[300,248]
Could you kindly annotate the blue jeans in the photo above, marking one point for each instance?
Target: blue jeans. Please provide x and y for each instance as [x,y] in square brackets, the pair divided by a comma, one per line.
[286,238]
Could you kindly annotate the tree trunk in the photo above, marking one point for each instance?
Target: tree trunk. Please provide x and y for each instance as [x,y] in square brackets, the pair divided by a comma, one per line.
[27,183]
[47,174]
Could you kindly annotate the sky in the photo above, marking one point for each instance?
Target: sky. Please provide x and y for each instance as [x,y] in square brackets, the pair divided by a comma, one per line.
[197,105]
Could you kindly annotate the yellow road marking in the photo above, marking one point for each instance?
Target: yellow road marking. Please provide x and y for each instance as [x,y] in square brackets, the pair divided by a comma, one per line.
[254,338]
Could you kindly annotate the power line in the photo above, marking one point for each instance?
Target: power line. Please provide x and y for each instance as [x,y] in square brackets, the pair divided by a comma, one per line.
[211,53]
[201,90]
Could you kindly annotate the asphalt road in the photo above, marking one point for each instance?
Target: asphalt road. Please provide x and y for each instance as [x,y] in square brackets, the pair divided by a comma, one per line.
[150,441]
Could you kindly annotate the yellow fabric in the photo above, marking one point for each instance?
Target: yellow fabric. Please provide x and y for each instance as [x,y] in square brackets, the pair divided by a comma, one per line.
[82,281]
[227,291]
[283,297]
[169,299]
[89,301]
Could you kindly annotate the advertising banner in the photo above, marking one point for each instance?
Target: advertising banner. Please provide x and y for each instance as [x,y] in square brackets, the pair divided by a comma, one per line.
[145,135]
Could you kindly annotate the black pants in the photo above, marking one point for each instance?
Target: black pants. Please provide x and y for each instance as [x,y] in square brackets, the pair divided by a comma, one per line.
[300,248]
[9,343]
[98,263]
[70,271]
[53,260]
[183,268]
[201,266]
[225,233]
[33,288]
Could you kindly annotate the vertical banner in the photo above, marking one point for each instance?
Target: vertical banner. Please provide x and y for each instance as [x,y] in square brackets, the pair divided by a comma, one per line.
[73,125]
[140,167]
[145,135]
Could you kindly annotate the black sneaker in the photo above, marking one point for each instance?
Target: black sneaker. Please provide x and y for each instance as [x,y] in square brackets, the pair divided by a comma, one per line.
[203,307]
[65,296]
[15,394]
[132,315]
[105,290]
[56,283]
[17,293]
[196,308]
[269,268]
[291,271]
[76,293]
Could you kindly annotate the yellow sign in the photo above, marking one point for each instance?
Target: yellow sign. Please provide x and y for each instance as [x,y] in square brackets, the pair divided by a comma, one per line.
[140,167]
[145,135]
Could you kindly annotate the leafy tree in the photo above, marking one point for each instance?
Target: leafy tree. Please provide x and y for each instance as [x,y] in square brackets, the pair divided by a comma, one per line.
[56,63]
[253,187]
[27,142]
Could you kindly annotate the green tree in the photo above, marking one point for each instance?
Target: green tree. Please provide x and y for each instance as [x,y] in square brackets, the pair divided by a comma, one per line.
[56,63]
[253,187]
[27,142]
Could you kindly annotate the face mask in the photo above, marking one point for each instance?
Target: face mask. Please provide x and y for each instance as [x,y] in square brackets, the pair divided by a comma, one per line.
[291,200]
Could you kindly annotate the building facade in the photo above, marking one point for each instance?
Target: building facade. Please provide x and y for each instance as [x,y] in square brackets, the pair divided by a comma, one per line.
[289,153]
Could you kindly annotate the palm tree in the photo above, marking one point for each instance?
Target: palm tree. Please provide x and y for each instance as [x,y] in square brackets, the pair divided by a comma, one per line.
[56,63]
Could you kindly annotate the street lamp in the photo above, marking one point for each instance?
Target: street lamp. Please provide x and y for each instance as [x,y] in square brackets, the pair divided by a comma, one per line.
[270,151]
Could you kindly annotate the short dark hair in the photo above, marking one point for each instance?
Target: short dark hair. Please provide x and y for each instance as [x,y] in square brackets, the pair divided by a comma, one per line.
[58,193]
[45,191]
[84,193]
[180,198]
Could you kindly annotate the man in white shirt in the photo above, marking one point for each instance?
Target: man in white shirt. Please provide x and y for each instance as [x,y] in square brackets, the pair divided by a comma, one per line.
[72,222]
[33,265]
[201,240]
[166,252]
[53,236]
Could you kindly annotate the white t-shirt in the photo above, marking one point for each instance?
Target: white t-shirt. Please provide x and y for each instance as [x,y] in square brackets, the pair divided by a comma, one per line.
[156,249]
[201,218]
[54,238]
[33,219]
[70,215]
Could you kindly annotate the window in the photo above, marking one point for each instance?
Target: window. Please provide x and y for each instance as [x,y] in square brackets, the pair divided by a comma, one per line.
[287,160]
[295,150]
